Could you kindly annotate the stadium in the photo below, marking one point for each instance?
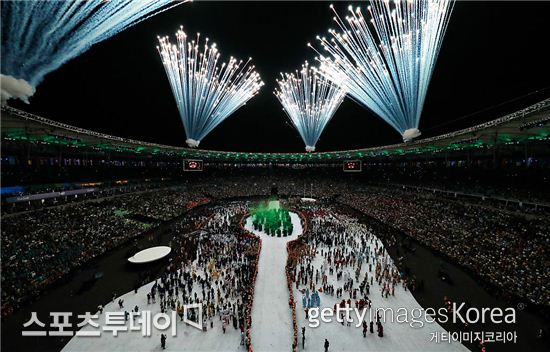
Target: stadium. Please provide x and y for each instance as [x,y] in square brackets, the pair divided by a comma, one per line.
[381,186]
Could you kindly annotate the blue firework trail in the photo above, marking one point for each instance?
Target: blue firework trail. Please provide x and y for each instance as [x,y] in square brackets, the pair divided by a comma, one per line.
[386,63]
[310,101]
[206,91]
[40,36]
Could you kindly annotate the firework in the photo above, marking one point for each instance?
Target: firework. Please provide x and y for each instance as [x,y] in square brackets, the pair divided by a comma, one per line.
[386,63]
[310,101]
[40,36]
[206,91]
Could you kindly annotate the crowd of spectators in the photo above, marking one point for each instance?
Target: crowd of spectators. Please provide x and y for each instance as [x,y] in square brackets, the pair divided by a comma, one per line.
[265,185]
[46,198]
[527,185]
[40,247]
[160,205]
[507,249]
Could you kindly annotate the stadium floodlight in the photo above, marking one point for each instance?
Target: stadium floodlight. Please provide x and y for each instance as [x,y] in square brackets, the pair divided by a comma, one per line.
[310,101]
[386,63]
[38,37]
[206,91]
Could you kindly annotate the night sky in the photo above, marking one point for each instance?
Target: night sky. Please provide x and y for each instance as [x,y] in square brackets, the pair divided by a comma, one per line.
[494,56]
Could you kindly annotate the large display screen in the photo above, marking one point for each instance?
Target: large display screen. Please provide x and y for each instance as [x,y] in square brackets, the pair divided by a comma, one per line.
[352,166]
[192,165]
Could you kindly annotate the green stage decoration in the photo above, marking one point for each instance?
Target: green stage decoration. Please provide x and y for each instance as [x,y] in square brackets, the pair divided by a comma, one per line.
[272,219]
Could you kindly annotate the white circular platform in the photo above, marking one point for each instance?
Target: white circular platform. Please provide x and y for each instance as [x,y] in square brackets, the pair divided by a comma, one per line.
[150,255]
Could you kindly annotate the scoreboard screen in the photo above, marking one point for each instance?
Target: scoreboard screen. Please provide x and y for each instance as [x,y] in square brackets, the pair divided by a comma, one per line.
[192,165]
[352,166]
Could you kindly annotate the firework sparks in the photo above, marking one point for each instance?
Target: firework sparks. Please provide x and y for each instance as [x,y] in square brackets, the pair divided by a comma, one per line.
[386,63]
[310,101]
[206,91]
[38,37]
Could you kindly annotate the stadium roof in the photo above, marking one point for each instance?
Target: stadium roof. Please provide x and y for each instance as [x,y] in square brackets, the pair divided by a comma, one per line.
[529,124]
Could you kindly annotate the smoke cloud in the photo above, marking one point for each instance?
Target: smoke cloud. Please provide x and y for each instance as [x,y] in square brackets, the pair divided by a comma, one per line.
[13,88]
[192,143]
[310,148]
[411,134]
